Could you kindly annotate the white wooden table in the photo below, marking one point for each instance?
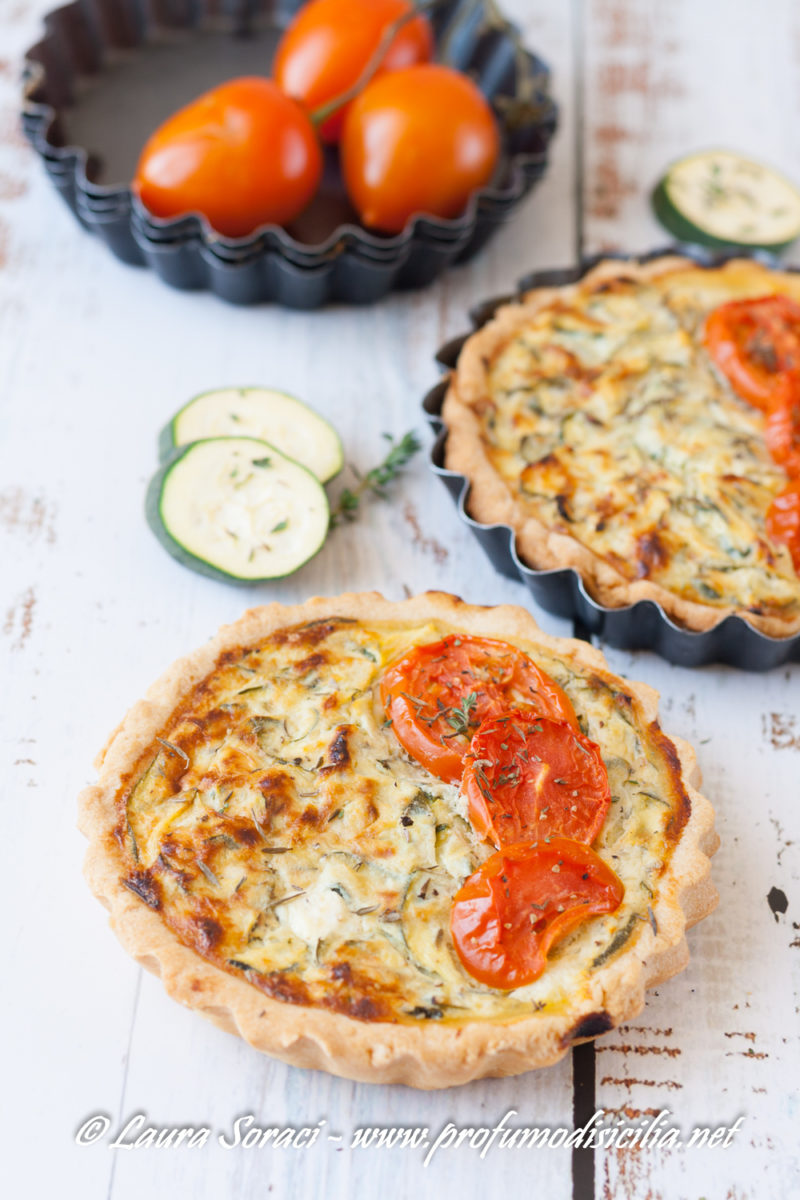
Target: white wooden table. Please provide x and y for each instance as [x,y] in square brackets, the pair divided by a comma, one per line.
[93,358]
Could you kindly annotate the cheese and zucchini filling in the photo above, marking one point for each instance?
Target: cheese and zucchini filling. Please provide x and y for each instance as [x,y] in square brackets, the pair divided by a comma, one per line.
[609,423]
[282,831]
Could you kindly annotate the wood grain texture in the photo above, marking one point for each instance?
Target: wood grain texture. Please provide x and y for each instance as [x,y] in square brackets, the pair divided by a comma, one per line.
[720,1040]
[93,358]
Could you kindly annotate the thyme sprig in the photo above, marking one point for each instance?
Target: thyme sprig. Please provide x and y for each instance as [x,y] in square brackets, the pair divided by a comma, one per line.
[376,480]
[462,718]
[459,718]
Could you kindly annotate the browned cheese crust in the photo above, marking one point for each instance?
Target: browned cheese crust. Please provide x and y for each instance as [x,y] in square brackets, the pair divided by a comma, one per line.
[590,420]
[265,845]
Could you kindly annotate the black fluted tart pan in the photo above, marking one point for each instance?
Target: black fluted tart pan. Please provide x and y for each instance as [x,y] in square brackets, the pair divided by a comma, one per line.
[645,624]
[108,72]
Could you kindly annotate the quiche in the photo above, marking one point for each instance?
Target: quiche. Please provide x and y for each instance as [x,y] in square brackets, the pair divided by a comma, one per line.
[592,420]
[268,846]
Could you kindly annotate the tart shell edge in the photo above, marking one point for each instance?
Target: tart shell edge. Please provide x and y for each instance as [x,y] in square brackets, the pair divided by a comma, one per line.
[491,503]
[424,1056]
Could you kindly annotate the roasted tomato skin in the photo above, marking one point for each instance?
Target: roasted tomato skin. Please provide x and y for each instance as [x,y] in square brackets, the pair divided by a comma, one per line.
[330,43]
[525,898]
[753,342]
[419,140]
[783,521]
[436,696]
[243,155]
[529,777]
[782,427]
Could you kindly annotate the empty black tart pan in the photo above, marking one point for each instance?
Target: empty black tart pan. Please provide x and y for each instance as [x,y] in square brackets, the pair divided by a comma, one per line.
[108,72]
[643,625]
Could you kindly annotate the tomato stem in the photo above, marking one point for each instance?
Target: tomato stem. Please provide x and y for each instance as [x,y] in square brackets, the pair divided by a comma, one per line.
[320,115]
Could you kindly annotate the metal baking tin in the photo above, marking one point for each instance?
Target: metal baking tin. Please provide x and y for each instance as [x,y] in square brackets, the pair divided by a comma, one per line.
[85,69]
[643,625]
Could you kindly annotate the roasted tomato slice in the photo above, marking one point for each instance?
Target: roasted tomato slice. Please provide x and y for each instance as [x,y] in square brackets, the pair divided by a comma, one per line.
[437,695]
[782,429]
[523,900]
[753,342]
[528,777]
[783,520]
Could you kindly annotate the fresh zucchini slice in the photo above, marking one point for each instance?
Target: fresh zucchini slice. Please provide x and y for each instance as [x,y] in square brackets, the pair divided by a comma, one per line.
[719,198]
[274,417]
[237,509]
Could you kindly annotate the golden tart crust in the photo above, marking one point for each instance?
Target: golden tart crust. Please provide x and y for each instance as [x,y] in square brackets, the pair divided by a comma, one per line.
[266,846]
[590,420]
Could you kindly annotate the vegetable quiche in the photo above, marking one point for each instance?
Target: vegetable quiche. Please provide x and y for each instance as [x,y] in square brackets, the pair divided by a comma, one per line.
[279,830]
[615,432]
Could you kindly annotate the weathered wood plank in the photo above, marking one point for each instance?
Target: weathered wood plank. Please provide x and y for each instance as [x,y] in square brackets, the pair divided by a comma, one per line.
[664,79]
[719,1041]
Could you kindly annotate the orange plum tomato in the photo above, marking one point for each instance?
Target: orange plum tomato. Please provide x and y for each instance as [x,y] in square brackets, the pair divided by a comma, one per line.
[419,140]
[243,155]
[330,43]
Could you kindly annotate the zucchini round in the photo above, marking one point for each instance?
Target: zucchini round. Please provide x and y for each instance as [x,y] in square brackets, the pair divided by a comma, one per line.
[237,509]
[274,417]
[720,199]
